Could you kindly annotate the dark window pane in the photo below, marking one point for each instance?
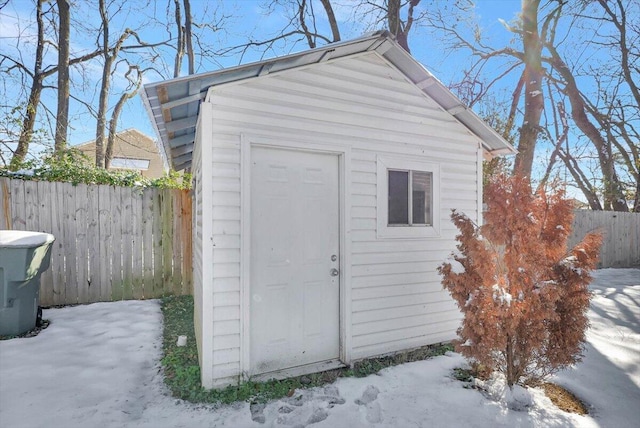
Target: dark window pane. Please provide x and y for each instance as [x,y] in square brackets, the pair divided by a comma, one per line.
[422,195]
[398,197]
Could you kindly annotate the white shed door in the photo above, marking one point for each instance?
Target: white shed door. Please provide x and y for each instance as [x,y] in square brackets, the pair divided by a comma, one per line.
[294,259]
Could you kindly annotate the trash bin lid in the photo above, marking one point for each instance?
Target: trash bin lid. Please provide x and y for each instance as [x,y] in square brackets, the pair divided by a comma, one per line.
[22,239]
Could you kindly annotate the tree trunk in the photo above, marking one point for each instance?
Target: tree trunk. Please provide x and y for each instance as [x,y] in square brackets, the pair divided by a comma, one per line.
[333,23]
[177,65]
[515,100]
[29,120]
[302,10]
[62,114]
[184,42]
[533,97]
[110,54]
[398,28]
[115,116]
[188,36]
[103,101]
[510,364]
[393,17]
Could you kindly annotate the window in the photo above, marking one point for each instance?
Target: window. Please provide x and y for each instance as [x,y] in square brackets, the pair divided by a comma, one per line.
[130,163]
[407,198]
[410,198]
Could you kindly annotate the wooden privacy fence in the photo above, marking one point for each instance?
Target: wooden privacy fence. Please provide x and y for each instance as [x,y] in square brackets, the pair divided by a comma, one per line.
[112,243]
[118,243]
[621,243]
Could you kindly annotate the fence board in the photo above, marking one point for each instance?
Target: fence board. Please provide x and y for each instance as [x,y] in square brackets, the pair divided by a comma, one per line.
[147,242]
[106,241]
[5,209]
[71,222]
[137,289]
[91,288]
[18,210]
[44,206]
[57,293]
[31,206]
[158,283]
[167,239]
[116,245]
[112,243]
[187,244]
[127,236]
[177,240]
[86,228]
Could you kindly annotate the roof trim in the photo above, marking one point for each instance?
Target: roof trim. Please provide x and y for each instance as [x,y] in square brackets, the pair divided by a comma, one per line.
[173,105]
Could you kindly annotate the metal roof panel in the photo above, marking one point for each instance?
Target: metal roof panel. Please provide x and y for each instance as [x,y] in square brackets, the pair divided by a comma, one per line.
[173,105]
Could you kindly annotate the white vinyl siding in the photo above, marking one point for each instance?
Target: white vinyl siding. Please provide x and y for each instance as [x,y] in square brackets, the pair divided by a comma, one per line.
[197,245]
[361,102]
[397,298]
[226,257]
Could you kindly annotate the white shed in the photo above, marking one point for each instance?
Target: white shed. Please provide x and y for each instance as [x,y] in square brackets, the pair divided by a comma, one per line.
[323,184]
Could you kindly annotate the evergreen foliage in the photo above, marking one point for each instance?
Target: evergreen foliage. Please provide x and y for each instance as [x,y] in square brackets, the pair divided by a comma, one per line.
[523,296]
[73,166]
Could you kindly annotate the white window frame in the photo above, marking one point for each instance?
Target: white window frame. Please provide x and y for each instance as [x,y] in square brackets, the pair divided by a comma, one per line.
[409,231]
[135,164]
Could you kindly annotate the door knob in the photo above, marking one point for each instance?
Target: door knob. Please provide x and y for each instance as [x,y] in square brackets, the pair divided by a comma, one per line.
[335,272]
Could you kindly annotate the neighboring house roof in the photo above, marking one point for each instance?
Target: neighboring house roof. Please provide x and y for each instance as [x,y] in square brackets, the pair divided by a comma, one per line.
[132,150]
[173,104]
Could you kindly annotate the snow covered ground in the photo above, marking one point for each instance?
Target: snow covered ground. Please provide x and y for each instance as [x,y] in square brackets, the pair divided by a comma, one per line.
[97,366]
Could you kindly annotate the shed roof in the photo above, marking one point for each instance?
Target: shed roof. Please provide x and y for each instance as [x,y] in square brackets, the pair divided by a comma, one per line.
[173,104]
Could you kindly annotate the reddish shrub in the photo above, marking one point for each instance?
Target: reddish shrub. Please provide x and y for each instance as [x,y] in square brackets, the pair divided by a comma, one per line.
[523,295]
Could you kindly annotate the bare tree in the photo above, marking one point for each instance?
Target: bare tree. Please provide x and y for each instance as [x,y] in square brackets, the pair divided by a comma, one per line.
[333,22]
[613,196]
[184,39]
[301,26]
[596,120]
[399,17]
[188,36]
[180,43]
[134,75]
[110,55]
[37,79]
[305,24]
[543,64]
[529,32]
[55,25]
[618,106]
[62,114]
[533,96]
[34,83]
[398,27]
